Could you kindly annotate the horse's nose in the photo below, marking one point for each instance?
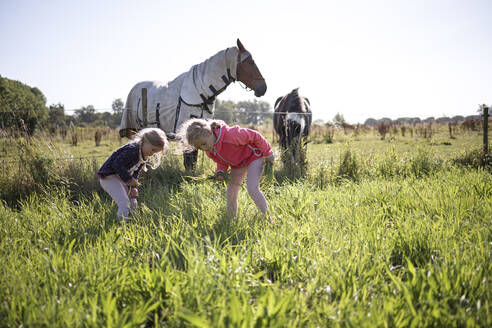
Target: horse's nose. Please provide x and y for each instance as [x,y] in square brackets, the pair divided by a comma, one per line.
[261,89]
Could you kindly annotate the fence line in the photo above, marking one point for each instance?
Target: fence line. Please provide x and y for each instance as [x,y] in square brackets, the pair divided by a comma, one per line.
[65,110]
[74,158]
[99,111]
[2,161]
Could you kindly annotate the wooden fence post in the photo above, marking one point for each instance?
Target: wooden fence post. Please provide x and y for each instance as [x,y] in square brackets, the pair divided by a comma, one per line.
[485,110]
[144,106]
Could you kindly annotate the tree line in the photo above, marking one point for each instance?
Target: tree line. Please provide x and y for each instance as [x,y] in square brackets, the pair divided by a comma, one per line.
[24,107]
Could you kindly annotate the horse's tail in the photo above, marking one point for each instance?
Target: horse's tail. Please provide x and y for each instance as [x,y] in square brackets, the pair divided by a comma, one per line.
[128,125]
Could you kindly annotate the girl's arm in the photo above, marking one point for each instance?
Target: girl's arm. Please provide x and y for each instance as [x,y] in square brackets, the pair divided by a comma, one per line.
[125,156]
[243,136]
[221,167]
[122,171]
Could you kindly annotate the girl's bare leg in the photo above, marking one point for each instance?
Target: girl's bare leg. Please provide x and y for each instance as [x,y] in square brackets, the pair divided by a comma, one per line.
[254,175]
[237,176]
[118,190]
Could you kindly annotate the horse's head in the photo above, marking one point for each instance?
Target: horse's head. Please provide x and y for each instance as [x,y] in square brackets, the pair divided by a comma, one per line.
[247,71]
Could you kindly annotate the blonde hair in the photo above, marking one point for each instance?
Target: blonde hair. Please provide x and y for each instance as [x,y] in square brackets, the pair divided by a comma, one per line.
[195,129]
[156,137]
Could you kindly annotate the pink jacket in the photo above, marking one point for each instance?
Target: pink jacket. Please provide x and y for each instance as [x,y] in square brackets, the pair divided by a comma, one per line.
[237,147]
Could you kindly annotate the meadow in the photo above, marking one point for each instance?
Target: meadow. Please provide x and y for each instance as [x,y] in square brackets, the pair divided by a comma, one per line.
[379,233]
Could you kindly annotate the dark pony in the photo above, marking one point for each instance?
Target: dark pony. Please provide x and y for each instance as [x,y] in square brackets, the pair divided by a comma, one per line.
[292,121]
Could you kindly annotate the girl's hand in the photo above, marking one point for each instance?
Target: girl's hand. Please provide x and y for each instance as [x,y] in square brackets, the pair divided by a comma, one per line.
[219,176]
[133,182]
[270,158]
[133,193]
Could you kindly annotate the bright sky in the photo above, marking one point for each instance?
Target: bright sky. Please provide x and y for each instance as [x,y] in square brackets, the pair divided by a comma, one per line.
[373,58]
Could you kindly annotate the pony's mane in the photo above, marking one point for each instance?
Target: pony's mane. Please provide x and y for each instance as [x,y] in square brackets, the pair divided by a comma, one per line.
[294,102]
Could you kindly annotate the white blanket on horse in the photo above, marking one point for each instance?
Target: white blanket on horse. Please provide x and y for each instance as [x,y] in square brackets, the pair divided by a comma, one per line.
[163,98]
[209,73]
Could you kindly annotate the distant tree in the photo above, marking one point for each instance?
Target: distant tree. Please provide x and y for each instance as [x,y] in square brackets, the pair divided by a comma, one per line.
[402,120]
[56,115]
[443,119]
[21,105]
[244,112]
[86,114]
[224,110]
[338,118]
[108,118]
[118,106]
[255,111]
[458,118]
[371,122]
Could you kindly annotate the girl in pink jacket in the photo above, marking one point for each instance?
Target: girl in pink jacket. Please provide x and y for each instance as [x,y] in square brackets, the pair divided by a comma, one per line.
[243,150]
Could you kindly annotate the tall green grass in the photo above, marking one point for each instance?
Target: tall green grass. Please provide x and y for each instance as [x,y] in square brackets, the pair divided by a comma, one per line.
[375,233]
[412,251]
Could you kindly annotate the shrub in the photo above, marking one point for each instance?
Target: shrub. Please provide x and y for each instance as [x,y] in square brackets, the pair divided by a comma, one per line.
[474,158]
[74,138]
[424,163]
[294,161]
[322,175]
[388,165]
[328,134]
[383,129]
[36,168]
[98,137]
[349,167]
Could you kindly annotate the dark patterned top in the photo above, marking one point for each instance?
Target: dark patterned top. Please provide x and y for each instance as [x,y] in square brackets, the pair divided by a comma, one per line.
[122,162]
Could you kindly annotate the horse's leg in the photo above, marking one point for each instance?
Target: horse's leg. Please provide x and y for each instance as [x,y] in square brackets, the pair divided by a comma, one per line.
[190,159]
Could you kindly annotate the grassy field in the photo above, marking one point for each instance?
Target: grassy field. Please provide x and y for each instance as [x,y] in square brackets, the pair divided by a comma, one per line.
[380,233]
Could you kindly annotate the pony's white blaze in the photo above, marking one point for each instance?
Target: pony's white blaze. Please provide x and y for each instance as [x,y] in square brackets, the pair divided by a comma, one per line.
[303,124]
[296,117]
[299,119]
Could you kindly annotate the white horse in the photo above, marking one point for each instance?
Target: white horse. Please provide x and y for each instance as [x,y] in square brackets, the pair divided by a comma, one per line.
[191,94]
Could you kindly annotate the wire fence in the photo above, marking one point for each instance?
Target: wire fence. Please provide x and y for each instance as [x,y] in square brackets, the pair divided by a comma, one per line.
[235,113]
[8,160]
[55,109]
[100,111]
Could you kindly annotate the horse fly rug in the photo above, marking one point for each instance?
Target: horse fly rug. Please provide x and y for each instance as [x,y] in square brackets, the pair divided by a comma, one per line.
[191,94]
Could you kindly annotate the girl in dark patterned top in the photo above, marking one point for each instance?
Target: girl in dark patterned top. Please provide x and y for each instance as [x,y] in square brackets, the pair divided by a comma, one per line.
[119,174]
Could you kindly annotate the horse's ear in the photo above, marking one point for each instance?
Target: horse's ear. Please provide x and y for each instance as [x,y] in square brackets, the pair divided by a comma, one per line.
[277,101]
[240,46]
